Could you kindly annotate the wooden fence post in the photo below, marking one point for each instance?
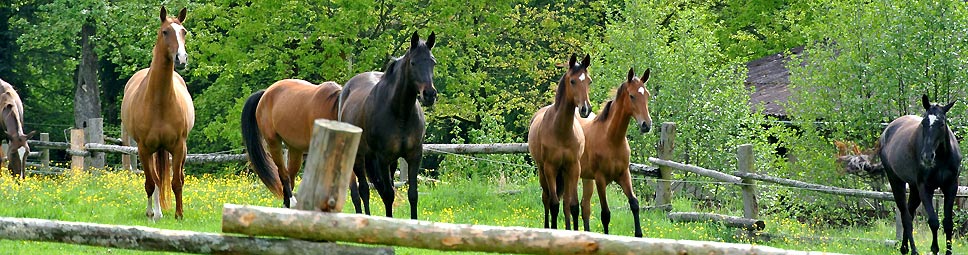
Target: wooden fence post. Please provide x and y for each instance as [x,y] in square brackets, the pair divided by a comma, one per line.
[663,193]
[744,161]
[77,144]
[45,152]
[126,162]
[93,133]
[329,166]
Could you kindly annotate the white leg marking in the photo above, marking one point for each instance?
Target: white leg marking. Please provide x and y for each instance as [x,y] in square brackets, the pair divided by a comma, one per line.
[292,202]
[156,203]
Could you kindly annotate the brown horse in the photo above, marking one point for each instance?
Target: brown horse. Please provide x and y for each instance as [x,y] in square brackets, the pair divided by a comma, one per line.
[12,120]
[284,113]
[158,113]
[921,151]
[556,142]
[606,157]
[384,105]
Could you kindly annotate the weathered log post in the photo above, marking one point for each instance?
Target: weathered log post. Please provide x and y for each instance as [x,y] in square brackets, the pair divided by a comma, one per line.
[663,193]
[744,161]
[94,133]
[45,152]
[77,144]
[329,166]
[127,161]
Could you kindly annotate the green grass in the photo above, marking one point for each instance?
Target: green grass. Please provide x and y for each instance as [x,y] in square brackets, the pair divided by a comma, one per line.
[118,198]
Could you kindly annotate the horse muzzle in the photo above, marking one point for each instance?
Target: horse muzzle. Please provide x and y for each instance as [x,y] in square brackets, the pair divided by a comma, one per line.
[585,109]
[927,160]
[645,127]
[428,97]
[181,61]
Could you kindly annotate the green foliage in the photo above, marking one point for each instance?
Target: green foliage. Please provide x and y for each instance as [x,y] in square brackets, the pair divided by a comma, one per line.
[694,84]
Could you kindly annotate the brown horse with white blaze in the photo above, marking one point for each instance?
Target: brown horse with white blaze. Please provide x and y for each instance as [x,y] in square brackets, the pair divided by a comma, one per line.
[607,153]
[556,143]
[12,120]
[284,113]
[158,113]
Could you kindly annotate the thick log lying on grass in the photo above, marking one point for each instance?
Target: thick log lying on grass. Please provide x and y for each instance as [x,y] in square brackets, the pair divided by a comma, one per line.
[729,221]
[152,239]
[306,225]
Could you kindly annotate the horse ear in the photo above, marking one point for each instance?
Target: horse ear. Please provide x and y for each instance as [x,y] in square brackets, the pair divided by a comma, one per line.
[631,74]
[181,14]
[949,105]
[431,39]
[414,40]
[646,74]
[571,61]
[30,135]
[164,14]
[924,102]
[585,62]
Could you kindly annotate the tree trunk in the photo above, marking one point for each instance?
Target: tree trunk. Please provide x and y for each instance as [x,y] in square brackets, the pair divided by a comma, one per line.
[87,94]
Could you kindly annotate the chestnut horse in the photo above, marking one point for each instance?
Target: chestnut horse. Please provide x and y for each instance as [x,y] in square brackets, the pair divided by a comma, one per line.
[606,157]
[12,120]
[384,105]
[284,113]
[158,113]
[922,152]
[556,142]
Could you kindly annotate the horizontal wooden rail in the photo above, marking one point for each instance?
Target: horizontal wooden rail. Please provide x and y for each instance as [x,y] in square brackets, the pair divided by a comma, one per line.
[307,225]
[818,187]
[153,239]
[697,170]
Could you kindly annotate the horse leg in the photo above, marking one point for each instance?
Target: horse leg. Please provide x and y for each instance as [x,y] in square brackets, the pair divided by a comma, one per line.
[385,187]
[413,165]
[153,210]
[897,188]
[293,165]
[626,182]
[606,215]
[178,155]
[274,147]
[362,194]
[551,175]
[927,196]
[545,197]
[571,196]
[950,191]
[586,202]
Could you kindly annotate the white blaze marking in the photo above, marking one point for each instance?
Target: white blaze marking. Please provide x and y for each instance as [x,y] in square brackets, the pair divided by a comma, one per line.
[931,119]
[23,153]
[182,55]
[582,77]
[642,91]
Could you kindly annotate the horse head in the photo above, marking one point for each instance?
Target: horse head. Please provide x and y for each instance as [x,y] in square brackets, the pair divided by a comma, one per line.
[18,151]
[171,38]
[419,65]
[574,85]
[934,130]
[639,97]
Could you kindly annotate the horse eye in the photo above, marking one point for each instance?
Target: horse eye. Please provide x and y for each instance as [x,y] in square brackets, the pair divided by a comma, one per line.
[165,32]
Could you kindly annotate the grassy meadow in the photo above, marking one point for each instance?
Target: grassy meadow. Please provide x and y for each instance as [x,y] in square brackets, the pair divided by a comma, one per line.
[117,197]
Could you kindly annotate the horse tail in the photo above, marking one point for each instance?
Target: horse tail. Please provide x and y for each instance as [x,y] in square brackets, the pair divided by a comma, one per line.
[164,178]
[253,145]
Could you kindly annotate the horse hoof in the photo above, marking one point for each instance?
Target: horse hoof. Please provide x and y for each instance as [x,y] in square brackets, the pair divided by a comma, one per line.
[179,217]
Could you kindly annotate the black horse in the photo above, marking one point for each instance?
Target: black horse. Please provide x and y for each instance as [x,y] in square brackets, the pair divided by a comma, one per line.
[384,105]
[922,152]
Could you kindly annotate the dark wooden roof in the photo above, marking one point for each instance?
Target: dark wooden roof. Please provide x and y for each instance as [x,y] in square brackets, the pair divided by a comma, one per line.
[770,78]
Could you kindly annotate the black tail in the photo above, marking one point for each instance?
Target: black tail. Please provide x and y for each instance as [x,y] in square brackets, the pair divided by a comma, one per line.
[253,146]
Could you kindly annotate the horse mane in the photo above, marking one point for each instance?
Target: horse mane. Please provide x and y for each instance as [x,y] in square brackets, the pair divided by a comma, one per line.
[606,112]
[391,64]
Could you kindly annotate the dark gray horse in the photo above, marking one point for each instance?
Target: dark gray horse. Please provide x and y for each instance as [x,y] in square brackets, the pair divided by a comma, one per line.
[384,105]
[922,152]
